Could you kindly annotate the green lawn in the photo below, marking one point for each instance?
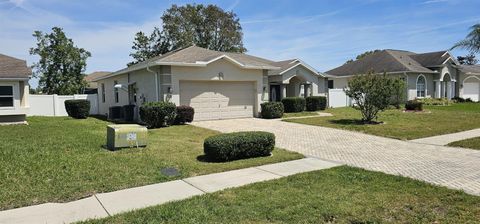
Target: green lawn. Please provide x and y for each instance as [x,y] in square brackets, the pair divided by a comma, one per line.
[62,159]
[300,114]
[337,195]
[471,143]
[404,125]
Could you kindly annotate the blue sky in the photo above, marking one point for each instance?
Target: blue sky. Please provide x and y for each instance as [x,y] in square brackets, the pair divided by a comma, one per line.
[323,33]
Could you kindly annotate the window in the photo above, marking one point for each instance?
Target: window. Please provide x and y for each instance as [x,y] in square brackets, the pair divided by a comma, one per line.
[6,96]
[330,84]
[421,86]
[115,89]
[103,92]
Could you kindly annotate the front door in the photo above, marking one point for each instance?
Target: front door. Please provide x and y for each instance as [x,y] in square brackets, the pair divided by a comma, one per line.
[275,93]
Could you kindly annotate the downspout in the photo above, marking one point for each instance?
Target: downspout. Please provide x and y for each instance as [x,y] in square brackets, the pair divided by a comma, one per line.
[156,82]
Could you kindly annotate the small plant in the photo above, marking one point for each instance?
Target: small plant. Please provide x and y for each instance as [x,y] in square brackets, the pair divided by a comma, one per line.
[414,105]
[293,104]
[458,99]
[239,145]
[79,109]
[184,114]
[158,114]
[314,103]
[272,110]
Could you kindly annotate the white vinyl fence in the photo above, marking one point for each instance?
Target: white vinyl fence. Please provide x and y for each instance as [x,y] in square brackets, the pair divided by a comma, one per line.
[338,98]
[54,105]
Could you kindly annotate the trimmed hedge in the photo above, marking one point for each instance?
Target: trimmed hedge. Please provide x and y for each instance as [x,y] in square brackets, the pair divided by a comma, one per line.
[239,145]
[184,114]
[272,110]
[158,114]
[314,103]
[79,109]
[293,104]
[414,105]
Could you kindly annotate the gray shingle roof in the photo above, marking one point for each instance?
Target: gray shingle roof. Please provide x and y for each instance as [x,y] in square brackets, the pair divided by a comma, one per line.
[194,55]
[469,69]
[290,63]
[95,75]
[391,61]
[11,67]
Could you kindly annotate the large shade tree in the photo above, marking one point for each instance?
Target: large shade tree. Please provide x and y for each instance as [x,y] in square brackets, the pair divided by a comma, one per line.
[62,64]
[471,41]
[205,26]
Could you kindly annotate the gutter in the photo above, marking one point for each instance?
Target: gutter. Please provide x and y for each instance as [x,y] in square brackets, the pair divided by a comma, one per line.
[156,82]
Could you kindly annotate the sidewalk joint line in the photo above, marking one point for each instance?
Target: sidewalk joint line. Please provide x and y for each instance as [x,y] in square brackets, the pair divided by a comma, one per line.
[194,186]
[276,174]
[108,213]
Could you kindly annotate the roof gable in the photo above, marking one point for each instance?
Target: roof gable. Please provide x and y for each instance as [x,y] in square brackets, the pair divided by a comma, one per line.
[15,68]
[290,64]
[199,57]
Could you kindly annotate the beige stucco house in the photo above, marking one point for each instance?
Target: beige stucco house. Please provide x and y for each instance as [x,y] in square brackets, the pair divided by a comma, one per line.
[433,74]
[14,89]
[218,85]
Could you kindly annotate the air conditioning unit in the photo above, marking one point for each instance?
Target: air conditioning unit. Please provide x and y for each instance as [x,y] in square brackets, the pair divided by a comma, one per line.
[126,135]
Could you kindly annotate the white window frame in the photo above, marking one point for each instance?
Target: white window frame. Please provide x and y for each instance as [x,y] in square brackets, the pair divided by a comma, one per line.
[116,94]
[12,96]
[424,86]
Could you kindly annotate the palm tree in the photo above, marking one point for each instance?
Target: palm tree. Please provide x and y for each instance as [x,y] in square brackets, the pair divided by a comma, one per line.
[472,41]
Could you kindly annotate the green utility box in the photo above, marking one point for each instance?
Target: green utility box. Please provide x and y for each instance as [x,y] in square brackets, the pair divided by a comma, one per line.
[126,135]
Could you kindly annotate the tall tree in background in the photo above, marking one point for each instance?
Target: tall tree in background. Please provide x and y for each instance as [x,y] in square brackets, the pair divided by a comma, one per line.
[204,26]
[61,66]
[467,60]
[472,41]
[362,55]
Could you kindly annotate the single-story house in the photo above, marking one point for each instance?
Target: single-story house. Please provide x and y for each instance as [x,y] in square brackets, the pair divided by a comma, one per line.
[218,85]
[14,89]
[432,74]
[92,87]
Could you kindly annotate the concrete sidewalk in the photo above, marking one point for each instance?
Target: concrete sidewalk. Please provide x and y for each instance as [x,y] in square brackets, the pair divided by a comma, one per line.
[105,204]
[448,138]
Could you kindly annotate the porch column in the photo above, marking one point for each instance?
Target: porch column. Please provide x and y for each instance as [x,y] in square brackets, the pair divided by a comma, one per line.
[283,91]
[438,89]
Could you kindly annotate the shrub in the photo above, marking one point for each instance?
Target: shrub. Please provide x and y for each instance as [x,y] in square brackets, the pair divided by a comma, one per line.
[239,145]
[272,110]
[314,103]
[458,99]
[435,101]
[79,109]
[158,114]
[372,93]
[293,104]
[184,114]
[469,100]
[414,105]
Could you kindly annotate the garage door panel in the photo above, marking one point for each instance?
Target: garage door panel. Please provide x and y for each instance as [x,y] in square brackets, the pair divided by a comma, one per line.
[471,90]
[218,100]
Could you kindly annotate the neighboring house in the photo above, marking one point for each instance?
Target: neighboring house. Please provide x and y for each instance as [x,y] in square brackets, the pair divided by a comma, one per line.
[91,85]
[433,74]
[14,89]
[295,78]
[218,85]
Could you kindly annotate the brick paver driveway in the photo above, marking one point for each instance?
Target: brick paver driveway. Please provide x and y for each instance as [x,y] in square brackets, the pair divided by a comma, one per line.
[451,167]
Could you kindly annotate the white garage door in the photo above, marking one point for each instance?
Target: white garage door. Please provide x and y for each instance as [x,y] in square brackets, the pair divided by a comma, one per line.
[218,100]
[471,90]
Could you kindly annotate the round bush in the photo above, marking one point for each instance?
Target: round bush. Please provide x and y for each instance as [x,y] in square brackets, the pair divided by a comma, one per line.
[239,145]
[158,114]
[184,114]
[272,110]
[314,103]
[293,104]
[414,105]
[79,109]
